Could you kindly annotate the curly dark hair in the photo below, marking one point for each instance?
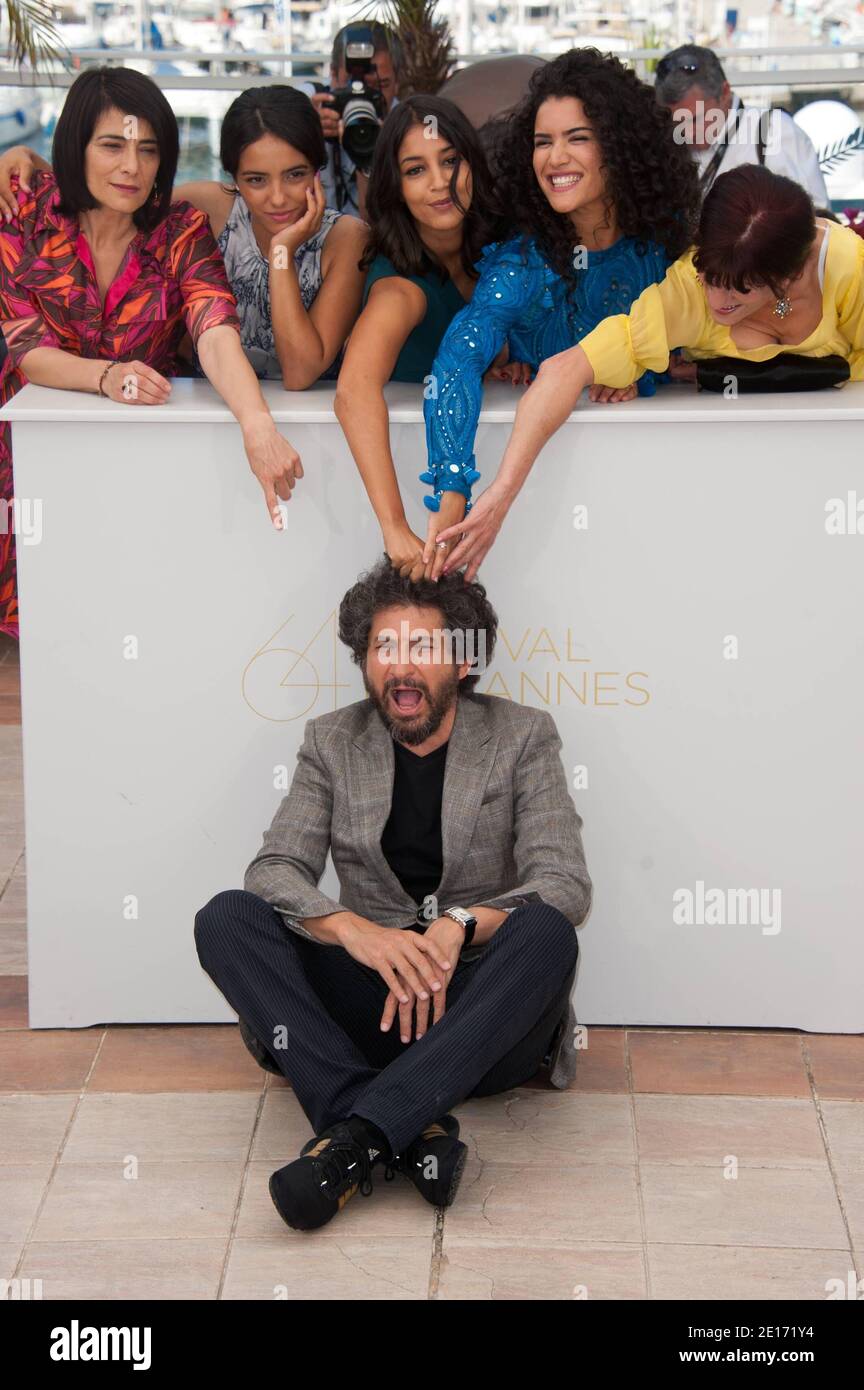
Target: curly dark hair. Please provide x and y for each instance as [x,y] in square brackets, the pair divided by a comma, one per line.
[393,232]
[650,179]
[463,606]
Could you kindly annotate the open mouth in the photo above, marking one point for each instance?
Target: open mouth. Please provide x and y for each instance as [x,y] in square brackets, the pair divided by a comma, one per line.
[728,309]
[406,698]
[561,182]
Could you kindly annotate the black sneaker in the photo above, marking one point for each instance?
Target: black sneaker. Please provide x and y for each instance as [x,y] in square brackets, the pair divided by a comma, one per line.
[439,1141]
[331,1168]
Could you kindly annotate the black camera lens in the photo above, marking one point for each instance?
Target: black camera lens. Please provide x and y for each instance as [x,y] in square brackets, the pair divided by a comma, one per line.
[360,128]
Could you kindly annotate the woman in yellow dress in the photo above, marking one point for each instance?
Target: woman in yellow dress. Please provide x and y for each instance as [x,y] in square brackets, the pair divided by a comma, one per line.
[766,276]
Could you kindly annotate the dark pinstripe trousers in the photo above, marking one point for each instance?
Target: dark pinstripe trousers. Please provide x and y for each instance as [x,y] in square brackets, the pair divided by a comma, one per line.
[502,1009]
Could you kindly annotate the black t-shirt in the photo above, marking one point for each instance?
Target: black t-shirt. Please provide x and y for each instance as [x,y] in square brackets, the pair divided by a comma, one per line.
[411,840]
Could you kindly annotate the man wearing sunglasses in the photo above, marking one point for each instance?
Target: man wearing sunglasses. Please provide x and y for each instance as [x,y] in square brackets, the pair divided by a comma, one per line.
[723,133]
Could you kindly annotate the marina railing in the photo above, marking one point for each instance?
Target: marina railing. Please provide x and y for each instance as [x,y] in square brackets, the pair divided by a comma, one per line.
[842,65]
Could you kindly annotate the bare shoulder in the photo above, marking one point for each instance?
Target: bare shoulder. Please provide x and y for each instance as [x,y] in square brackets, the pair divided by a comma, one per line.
[394,294]
[348,231]
[346,241]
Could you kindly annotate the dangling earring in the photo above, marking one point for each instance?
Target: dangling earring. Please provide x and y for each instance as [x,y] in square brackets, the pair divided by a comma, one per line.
[783,306]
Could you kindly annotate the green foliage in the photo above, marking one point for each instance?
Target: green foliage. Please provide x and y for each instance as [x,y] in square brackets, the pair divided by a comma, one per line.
[427,44]
[32,36]
[651,38]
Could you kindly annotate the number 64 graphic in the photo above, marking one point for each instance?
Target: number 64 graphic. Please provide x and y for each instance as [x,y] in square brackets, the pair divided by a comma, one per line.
[281,683]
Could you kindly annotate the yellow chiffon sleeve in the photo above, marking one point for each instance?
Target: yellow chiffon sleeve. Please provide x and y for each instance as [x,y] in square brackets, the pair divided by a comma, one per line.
[668,315]
[850,311]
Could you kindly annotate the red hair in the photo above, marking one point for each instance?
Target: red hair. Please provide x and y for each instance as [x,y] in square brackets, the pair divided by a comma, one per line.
[756,228]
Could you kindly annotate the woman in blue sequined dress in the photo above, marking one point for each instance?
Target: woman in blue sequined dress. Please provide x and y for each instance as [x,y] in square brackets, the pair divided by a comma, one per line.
[604,199]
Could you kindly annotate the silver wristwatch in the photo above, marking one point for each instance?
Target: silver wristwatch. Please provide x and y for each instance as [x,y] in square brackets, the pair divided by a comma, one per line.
[465,919]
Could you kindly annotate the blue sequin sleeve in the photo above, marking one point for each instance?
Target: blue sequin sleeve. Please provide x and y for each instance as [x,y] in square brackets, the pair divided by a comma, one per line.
[508,286]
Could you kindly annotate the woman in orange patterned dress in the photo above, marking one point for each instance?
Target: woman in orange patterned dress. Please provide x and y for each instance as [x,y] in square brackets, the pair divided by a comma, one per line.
[101,275]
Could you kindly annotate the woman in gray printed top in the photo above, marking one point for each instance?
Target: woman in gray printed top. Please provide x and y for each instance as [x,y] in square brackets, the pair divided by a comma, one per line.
[291,261]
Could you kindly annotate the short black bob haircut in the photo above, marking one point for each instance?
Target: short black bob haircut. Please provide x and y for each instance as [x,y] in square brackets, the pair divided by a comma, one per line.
[92,94]
[277,110]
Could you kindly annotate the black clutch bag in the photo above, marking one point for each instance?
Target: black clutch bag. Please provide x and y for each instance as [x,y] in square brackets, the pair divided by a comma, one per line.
[788,371]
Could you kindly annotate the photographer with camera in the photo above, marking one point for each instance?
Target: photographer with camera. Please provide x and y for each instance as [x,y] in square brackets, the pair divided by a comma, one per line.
[364,82]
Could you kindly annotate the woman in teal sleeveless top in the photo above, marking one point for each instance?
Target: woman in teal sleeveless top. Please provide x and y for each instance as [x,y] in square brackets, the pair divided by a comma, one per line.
[443,301]
[430,203]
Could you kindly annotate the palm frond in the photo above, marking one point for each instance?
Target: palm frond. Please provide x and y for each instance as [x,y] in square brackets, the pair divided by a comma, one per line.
[832,155]
[32,34]
[428,54]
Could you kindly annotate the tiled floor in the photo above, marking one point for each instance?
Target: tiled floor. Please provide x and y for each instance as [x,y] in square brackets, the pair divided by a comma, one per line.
[683,1164]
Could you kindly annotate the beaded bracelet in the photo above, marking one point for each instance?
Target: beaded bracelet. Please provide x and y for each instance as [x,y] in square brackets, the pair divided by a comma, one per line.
[103,376]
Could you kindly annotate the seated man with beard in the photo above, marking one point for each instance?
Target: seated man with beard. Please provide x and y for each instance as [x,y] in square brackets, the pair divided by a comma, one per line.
[461,879]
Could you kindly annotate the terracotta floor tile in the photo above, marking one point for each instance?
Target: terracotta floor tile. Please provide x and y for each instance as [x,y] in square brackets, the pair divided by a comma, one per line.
[795,1208]
[216,1125]
[358,1267]
[32,1126]
[11,808]
[13,900]
[160,1201]
[47,1059]
[22,1186]
[844,1123]
[282,1129]
[278,1083]
[761,1131]
[850,1182]
[533,1130]
[486,1271]
[600,1066]
[11,754]
[707,1063]
[576,1204]
[118,1269]
[689,1272]
[837,1060]
[185,1057]
[13,948]
[11,849]
[10,708]
[13,1001]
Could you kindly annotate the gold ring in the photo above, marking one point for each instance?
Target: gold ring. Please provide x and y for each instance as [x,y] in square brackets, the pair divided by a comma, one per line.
[442,545]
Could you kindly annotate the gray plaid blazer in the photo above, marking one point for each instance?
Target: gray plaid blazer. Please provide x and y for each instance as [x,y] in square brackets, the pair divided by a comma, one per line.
[510,831]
